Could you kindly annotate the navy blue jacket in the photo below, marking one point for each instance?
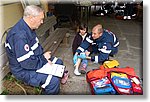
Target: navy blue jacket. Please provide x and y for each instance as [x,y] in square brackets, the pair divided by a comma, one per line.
[24,52]
[106,44]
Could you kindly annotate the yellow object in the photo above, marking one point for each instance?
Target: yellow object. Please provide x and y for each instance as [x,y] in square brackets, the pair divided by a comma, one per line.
[111,64]
[119,75]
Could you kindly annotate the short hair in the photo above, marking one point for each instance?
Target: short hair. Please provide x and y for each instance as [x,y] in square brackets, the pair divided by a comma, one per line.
[32,10]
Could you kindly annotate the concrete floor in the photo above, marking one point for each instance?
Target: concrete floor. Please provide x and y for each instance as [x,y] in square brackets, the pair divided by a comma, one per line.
[130,53]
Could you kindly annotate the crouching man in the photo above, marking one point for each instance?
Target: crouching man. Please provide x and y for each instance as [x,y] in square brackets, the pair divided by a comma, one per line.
[104,44]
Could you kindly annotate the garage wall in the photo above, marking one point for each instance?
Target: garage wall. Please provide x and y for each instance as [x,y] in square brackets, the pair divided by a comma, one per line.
[10,14]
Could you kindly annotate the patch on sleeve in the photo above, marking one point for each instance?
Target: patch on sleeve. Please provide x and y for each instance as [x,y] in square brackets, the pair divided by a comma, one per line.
[104,47]
[26,47]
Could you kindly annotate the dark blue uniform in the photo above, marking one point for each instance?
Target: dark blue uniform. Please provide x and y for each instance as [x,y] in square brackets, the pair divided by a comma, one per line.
[25,56]
[105,45]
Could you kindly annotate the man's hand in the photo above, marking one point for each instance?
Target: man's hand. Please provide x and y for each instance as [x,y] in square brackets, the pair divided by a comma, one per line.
[49,62]
[47,55]
[75,58]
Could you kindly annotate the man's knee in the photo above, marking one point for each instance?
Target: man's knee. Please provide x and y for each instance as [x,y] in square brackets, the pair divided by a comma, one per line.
[59,61]
[56,60]
[114,52]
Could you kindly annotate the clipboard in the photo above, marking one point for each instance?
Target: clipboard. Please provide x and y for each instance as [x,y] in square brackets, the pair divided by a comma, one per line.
[53,69]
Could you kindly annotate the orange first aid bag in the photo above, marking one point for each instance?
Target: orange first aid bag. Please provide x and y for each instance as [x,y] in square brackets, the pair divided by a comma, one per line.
[102,72]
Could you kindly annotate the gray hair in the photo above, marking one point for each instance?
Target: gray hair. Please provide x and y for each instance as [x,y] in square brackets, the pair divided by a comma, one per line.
[32,10]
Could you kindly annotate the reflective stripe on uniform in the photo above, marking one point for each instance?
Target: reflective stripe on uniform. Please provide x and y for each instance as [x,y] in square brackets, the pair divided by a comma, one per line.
[80,48]
[93,43]
[26,56]
[36,44]
[114,37]
[96,59]
[48,79]
[37,39]
[89,40]
[7,45]
[116,44]
[104,50]
[54,60]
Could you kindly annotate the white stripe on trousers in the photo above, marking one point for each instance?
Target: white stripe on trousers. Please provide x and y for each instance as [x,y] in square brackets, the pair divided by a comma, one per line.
[54,60]
[49,77]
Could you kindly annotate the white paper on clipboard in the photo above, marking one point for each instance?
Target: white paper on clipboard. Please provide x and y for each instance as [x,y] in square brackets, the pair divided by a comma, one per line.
[53,69]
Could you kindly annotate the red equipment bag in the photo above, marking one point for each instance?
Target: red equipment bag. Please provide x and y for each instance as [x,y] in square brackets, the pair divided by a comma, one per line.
[102,72]
[97,74]
[124,83]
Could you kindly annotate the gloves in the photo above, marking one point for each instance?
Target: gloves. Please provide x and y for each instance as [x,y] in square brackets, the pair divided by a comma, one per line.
[75,58]
[82,56]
